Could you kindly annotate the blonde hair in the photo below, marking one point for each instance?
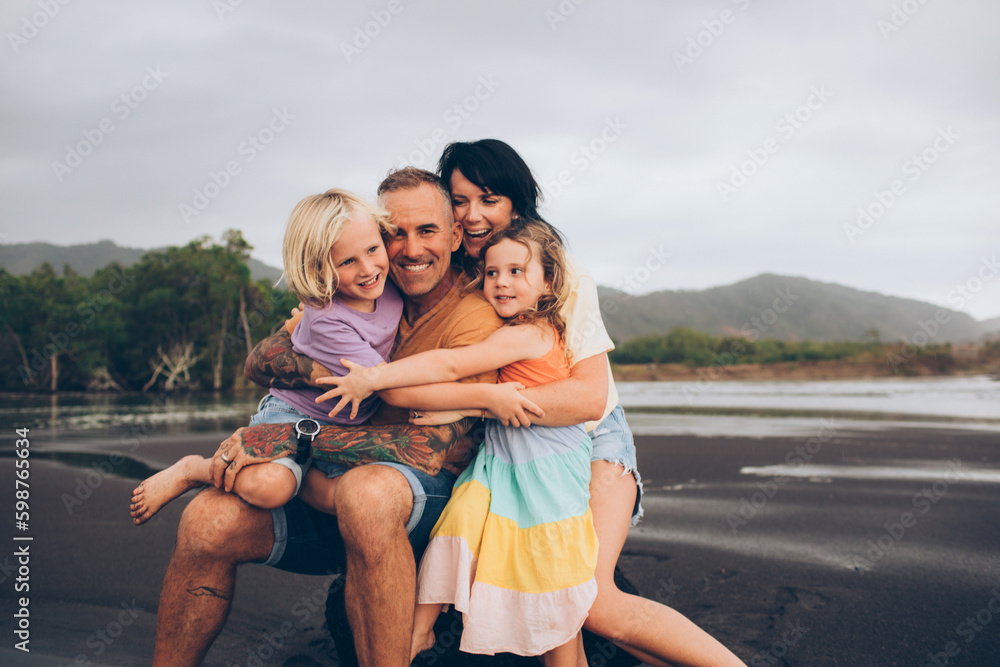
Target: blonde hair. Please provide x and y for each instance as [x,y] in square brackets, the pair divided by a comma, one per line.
[553,260]
[314,226]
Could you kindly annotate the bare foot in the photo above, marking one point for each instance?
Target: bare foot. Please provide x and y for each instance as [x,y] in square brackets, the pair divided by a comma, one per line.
[421,642]
[153,493]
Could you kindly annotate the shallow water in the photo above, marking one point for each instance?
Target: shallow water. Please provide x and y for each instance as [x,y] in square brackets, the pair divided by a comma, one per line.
[753,408]
[950,398]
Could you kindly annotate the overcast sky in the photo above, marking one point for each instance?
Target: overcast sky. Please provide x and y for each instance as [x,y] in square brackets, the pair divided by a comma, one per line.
[706,141]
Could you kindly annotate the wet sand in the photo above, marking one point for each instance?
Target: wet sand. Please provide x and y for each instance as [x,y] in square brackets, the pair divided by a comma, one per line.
[786,566]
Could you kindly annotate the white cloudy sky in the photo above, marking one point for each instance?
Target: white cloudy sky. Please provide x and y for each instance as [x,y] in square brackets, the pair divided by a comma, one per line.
[678,128]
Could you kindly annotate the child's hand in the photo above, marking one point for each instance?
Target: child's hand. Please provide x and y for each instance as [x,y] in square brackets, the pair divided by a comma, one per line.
[294,320]
[436,417]
[352,388]
[512,408]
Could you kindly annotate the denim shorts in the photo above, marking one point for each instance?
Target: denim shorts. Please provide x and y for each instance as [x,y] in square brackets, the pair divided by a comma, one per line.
[273,410]
[613,442]
[308,541]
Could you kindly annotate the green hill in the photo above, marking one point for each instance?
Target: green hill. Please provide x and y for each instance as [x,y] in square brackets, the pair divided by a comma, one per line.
[772,306]
[785,307]
[22,258]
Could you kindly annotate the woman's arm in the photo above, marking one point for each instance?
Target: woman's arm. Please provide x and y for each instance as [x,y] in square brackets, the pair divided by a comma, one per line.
[578,399]
[502,401]
[504,346]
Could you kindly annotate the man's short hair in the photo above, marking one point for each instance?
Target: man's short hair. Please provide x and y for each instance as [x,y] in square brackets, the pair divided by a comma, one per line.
[411,178]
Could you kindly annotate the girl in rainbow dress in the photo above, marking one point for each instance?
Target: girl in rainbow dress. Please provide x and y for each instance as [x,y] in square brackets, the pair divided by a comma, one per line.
[515,548]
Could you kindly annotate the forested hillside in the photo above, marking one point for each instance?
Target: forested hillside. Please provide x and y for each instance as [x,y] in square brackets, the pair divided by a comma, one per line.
[787,308]
[86,258]
[181,318]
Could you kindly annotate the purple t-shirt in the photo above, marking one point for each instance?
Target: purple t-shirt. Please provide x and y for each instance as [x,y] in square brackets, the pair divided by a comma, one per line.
[337,332]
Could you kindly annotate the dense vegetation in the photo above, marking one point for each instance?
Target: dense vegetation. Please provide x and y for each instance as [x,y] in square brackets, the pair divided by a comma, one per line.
[697,349]
[179,319]
[184,318]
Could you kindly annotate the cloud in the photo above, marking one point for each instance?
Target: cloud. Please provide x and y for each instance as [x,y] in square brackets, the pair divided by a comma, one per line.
[361,107]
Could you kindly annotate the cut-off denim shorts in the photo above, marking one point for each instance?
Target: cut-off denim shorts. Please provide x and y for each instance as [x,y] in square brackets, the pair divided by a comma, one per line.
[273,410]
[613,442]
[308,541]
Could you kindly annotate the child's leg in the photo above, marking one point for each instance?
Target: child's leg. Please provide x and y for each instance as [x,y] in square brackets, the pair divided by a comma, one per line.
[156,491]
[265,485]
[318,491]
[424,617]
[566,655]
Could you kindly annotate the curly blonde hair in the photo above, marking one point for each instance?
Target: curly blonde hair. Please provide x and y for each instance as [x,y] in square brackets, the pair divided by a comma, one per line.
[314,226]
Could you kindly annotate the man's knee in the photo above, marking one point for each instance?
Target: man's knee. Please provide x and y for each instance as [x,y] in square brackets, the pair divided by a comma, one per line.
[373,498]
[220,525]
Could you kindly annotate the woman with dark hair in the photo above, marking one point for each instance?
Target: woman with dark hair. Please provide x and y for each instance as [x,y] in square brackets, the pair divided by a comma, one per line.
[490,187]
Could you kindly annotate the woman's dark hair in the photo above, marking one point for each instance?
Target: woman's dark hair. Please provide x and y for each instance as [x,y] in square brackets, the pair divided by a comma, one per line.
[495,166]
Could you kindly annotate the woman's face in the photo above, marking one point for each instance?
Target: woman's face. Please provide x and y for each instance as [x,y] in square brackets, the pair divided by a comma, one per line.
[479,211]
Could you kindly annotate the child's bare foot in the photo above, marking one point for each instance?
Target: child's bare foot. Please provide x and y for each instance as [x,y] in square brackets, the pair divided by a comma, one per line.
[421,642]
[153,493]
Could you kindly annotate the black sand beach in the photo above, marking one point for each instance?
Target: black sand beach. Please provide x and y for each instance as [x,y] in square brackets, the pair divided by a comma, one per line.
[885,552]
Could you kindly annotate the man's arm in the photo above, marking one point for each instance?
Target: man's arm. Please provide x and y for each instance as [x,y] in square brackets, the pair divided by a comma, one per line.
[421,447]
[273,363]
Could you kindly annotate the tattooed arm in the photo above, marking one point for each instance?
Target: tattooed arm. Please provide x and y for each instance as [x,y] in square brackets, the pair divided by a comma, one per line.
[421,447]
[273,364]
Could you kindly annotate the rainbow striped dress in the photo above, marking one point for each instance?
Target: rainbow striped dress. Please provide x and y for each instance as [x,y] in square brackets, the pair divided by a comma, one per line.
[515,548]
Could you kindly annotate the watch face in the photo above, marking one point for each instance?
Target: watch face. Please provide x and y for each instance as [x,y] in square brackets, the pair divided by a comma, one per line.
[307,427]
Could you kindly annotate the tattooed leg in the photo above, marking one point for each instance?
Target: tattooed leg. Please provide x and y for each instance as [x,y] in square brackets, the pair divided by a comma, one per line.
[217,532]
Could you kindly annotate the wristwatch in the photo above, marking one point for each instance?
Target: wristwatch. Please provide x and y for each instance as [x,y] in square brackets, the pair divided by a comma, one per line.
[307,429]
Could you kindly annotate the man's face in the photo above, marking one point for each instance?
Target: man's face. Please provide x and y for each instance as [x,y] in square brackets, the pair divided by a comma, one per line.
[420,253]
